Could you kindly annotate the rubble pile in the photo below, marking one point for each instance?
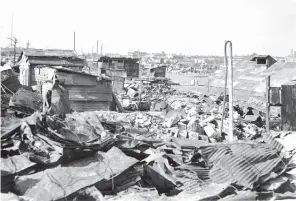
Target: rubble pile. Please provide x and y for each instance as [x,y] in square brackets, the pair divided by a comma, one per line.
[176,153]
[145,95]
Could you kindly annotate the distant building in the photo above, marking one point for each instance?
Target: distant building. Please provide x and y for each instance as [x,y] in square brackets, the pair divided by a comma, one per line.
[30,58]
[291,57]
[137,54]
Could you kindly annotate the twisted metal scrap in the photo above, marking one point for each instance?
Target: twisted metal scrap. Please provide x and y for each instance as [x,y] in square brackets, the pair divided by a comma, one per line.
[244,164]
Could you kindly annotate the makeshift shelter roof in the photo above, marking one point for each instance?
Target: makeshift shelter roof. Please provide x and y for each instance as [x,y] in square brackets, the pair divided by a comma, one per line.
[53,57]
[50,53]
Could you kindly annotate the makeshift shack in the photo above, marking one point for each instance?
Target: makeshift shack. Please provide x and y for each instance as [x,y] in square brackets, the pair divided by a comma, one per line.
[119,69]
[86,92]
[131,66]
[30,58]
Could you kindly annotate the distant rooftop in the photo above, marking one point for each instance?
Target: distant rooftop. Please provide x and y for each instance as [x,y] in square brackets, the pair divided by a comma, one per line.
[118,58]
[260,57]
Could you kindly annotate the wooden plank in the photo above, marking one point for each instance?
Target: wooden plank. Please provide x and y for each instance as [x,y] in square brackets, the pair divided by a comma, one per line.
[118,104]
[288,111]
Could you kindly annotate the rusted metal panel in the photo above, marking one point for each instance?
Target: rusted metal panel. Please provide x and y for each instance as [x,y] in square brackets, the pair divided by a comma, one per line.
[289,106]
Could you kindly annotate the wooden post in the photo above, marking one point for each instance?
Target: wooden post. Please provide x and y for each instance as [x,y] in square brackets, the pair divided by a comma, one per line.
[267,94]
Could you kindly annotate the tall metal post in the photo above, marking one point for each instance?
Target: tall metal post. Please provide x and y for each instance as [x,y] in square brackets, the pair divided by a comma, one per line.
[267,94]
[230,135]
[225,85]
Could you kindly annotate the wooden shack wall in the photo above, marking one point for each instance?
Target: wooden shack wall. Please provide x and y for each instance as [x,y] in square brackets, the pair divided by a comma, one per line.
[288,111]
[85,92]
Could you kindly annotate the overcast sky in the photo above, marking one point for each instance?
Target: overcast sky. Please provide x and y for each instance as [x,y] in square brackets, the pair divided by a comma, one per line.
[183,26]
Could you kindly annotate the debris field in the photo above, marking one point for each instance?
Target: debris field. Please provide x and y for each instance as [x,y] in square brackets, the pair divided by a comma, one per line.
[167,147]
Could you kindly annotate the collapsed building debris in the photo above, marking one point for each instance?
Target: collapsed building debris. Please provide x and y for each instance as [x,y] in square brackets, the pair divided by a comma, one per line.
[177,153]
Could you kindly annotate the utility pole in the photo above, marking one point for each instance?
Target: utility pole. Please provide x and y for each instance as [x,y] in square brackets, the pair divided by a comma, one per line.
[15,41]
[97,48]
[74,41]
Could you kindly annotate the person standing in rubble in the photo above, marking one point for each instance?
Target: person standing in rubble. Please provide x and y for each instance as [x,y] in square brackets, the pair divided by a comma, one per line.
[48,95]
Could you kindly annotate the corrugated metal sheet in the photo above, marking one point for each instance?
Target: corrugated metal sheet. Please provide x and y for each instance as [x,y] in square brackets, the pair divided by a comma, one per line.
[81,106]
[241,163]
